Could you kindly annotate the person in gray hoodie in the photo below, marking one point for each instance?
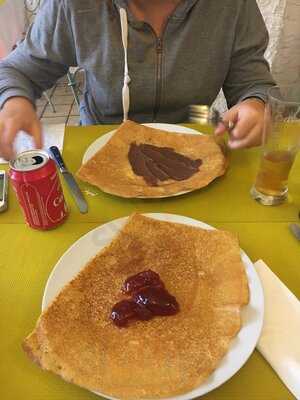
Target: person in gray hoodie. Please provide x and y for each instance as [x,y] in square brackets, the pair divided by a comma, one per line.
[167,54]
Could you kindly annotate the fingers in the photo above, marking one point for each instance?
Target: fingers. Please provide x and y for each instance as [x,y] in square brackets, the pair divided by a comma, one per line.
[252,138]
[36,133]
[220,129]
[248,118]
[8,132]
[231,116]
[243,128]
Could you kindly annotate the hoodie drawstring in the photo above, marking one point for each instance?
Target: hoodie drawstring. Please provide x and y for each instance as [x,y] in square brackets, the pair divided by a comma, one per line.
[125,89]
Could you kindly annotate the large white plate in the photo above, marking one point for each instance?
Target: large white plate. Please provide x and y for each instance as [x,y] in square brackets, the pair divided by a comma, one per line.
[242,346]
[102,140]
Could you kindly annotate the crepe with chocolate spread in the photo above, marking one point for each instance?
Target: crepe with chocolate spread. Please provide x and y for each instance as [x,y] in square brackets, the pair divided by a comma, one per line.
[165,356]
[139,161]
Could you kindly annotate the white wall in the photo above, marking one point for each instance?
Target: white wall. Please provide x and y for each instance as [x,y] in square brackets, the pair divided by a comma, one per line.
[12,24]
[282,18]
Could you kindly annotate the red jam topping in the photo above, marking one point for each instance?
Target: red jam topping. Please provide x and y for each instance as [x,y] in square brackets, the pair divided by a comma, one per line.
[122,312]
[141,280]
[149,298]
[157,300]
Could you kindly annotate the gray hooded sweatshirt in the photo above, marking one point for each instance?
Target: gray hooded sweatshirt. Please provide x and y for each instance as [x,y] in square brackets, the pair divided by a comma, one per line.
[206,45]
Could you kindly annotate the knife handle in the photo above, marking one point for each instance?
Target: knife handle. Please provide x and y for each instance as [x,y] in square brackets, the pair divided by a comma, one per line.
[58,158]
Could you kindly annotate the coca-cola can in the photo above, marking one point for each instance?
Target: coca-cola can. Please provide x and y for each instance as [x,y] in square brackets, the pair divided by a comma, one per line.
[35,180]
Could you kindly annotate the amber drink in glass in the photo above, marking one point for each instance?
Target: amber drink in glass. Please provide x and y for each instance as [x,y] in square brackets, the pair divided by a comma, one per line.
[281,142]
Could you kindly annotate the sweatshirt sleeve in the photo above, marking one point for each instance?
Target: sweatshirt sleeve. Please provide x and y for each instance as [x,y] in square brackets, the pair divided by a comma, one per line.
[249,74]
[42,58]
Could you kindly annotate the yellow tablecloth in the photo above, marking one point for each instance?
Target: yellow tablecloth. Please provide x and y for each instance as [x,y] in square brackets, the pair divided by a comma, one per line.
[27,258]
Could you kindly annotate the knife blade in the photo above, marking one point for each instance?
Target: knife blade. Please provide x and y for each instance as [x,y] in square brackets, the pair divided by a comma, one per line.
[295,229]
[70,180]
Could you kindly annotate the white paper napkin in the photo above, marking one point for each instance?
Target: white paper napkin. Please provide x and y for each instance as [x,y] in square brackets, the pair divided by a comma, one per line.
[280,339]
[53,135]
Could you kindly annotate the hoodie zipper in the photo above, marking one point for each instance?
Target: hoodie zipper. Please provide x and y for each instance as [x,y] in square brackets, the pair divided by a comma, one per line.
[159,52]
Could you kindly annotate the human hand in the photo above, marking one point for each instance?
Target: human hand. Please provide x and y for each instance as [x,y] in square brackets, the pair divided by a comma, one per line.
[17,114]
[248,118]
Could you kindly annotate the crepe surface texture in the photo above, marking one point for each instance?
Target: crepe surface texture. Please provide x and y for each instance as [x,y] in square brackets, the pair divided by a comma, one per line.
[110,170]
[165,356]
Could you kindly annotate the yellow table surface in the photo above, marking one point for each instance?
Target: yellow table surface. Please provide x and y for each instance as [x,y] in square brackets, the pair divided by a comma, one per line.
[28,256]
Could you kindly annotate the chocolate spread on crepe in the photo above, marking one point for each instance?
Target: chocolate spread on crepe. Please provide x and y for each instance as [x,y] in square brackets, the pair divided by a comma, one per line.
[111,171]
[153,359]
[155,163]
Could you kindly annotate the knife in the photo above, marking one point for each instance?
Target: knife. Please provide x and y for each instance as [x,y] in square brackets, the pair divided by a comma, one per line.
[295,229]
[69,178]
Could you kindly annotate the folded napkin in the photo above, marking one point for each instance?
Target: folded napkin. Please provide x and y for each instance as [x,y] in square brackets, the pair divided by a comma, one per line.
[53,135]
[280,339]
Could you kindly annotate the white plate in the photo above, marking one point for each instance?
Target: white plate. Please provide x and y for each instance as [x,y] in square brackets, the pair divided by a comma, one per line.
[102,140]
[242,345]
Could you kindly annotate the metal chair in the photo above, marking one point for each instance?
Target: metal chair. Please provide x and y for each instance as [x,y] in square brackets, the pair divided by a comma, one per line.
[31,8]
[73,84]
[49,101]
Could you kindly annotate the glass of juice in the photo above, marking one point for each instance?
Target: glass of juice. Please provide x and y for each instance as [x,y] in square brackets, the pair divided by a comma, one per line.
[281,142]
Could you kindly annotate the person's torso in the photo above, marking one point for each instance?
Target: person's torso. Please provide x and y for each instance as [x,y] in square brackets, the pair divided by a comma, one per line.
[186,65]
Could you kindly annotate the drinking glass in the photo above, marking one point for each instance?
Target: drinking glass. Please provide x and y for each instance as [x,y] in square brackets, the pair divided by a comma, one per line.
[281,140]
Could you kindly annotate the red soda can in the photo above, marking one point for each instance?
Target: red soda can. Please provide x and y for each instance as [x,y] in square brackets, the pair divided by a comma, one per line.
[37,186]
